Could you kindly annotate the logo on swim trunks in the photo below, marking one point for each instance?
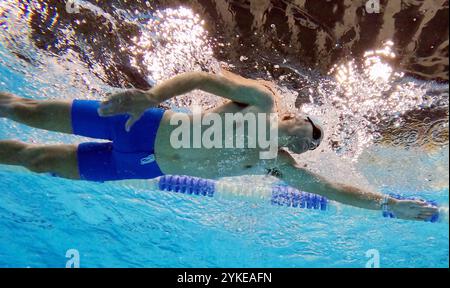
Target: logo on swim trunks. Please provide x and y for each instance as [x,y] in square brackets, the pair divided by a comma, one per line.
[147,160]
[226,130]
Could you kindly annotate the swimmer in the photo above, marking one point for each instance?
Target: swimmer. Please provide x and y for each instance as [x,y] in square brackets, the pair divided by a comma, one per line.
[138,141]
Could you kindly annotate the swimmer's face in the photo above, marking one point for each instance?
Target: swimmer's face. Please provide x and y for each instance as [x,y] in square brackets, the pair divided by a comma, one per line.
[300,133]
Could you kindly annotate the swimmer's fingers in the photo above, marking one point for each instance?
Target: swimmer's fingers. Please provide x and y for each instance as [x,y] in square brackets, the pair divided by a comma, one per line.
[117,98]
[115,105]
[424,217]
[131,101]
[109,109]
[414,210]
[418,216]
[131,121]
[426,212]
[123,104]
[424,207]
[417,204]
[429,209]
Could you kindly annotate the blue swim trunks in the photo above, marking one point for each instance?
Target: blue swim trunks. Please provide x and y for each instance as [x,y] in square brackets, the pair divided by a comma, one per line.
[127,155]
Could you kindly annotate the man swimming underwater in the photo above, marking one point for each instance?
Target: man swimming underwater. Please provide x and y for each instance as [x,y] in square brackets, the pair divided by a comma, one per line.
[139,144]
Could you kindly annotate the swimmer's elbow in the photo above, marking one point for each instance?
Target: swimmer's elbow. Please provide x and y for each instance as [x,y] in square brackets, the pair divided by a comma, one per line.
[199,76]
[236,90]
[257,96]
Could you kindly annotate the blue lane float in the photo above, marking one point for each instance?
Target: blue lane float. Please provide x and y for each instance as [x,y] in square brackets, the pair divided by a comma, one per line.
[280,195]
[187,185]
[290,197]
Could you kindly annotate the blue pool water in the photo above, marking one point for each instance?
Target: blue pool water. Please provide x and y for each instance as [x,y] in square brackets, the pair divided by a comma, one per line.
[129,225]
[114,226]
[117,225]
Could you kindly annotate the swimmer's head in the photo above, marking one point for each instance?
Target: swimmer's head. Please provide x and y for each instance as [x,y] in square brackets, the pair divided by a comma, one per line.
[299,133]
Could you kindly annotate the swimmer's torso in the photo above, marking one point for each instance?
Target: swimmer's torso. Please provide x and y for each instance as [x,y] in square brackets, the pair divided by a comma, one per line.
[203,162]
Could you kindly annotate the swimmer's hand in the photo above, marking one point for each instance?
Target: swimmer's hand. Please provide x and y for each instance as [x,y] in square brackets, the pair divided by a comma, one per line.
[412,210]
[133,102]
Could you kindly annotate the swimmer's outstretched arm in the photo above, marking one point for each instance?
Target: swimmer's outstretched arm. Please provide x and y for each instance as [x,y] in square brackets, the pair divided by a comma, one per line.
[135,102]
[305,180]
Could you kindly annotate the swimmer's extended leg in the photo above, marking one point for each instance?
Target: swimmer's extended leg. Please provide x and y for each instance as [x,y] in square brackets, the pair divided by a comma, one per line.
[51,115]
[58,159]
